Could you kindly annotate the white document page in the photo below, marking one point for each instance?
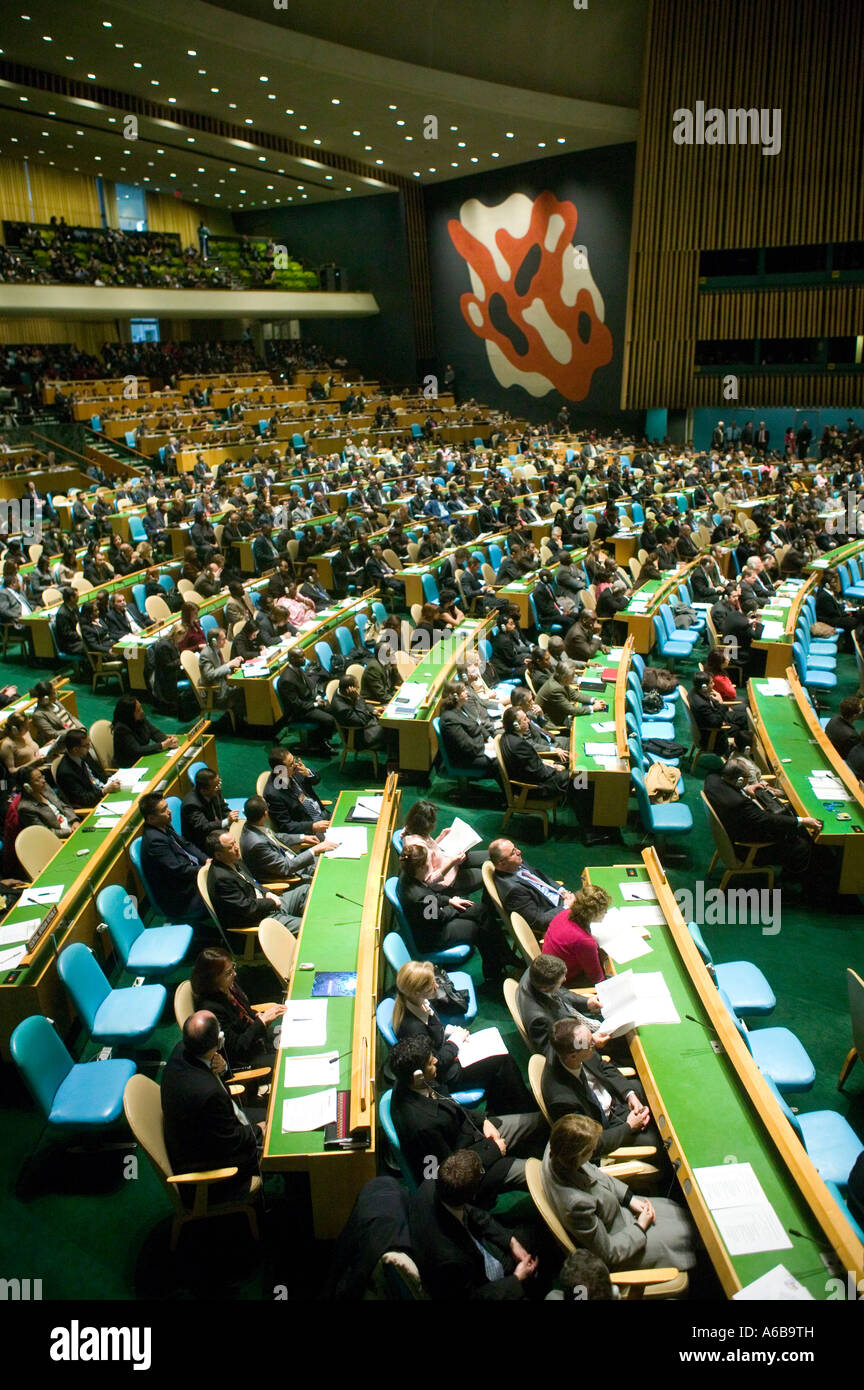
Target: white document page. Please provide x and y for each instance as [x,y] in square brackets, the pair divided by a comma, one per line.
[45,895]
[352,842]
[18,931]
[304,1023]
[320,1070]
[459,839]
[637,892]
[477,1046]
[303,1113]
[777,1286]
[9,959]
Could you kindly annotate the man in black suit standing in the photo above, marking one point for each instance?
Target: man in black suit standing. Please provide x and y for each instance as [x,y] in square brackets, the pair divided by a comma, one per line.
[577,1079]
[238,899]
[431,1125]
[81,779]
[290,796]
[204,1128]
[462,1252]
[170,863]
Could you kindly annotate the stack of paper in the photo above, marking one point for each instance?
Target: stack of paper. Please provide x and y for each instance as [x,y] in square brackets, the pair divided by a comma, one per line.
[742,1213]
[774,685]
[305,1113]
[9,959]
[637,892]
[367,808]
[827,786]
[777,1286]
[771,631]
[630,1001]
[352,842]
[129,778]
[620,939]
[459,839]
[18,931]
[607,726]
[478,1046]
[41,895]
[411,694]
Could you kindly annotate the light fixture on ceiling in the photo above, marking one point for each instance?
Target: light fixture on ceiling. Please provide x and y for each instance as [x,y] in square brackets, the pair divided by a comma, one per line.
[335,101]
[561,140]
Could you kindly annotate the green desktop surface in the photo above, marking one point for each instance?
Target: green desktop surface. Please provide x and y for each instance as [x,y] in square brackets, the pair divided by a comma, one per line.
[442,655]
[707,1105]
[329,940]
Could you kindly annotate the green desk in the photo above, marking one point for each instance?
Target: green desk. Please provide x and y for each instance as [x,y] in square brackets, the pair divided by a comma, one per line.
[639,615]
[412,575]
[784,608]
[794,744]
[34,987]
[714,1106]
[611,783]
[40,620]
[833,558]
[262,705]
[417,741]
[337,934]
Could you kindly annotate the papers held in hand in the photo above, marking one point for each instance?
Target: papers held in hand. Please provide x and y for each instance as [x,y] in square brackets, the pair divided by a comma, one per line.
[459,839]
[488,1042]
[631,1001]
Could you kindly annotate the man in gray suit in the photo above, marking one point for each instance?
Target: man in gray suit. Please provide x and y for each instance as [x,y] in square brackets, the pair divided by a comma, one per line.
[13,604]
[267,855]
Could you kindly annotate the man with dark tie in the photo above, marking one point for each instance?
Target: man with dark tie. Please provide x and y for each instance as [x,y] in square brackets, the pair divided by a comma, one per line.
[578,1080]
[170,864]
[294,807]
[205,809]
[81,779]
[238,899]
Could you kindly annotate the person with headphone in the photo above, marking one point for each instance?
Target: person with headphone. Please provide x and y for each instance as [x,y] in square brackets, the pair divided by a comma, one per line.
[786,837]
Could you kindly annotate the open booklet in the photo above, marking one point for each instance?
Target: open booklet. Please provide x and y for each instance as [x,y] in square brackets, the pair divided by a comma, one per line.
[630,1001]
[459,839]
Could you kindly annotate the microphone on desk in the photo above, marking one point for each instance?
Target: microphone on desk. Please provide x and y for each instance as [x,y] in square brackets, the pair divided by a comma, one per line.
[707,1026]
[801,1235]
[349,900]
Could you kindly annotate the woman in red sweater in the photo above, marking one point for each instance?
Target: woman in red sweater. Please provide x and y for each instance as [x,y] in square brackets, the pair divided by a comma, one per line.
[568,935]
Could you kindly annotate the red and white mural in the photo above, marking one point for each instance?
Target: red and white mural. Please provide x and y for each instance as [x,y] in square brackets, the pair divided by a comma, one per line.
[533,298]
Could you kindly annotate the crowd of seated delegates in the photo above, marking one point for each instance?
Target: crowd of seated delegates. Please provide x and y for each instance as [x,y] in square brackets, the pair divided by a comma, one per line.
[109,256]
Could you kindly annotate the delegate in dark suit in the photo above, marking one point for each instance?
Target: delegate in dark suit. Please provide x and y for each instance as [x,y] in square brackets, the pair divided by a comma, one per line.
[435,1126]
[451,1266]
[532,894]
[540,1012]
[171,865]
[292,803]
[464,737]
[81,782]
[523,764]
[564,1093]
[200,814]
[746,822]
[266,854]
[202,1128]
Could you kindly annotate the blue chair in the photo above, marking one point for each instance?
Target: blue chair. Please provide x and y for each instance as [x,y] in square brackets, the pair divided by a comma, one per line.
[396,954]
[71,1095]
[208,623]
[96,423]
[298,441]
[430,588]
[345,640]
[396,842]
[417,431]
[744,984]
[379,612]
[450,955]
[385,1120]
[361,622]
[138,597]
[262,427]
[496,555]
[462,775]
[384,1019]
[162,452]
[638,758]
[634,686]
[116,1017]
[174,803]
[167,582]
[64,656]
[811,675]
[199,919]
[324,653]
[672,818]
[136,530]
[830,1141]
[655,728]
[130,439]
[637,513]
[777,1053]
[668,646]
[150,951]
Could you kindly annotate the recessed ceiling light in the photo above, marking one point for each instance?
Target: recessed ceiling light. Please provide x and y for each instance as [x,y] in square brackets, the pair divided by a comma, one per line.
[473,159]
[172,176]
[92,76]
[232,106]
[262,159]
[263,79]
[379,161]
[316,142]
[202,72]
[160,151]
[172,101]
[69,58]
[271,96]
[137,65]
[300,187]
[242,190]
[112,120]
[494,154]
[453,164]
[270,187]
[23,98]
[561,140]
[541,144]
[454,127]
[461,144]
[214,90]
[392,107]
[509,134]
[248,121]
[304,127]
[432,171]
[217,195]
[289,110]
[98,158]
[367,147]
[409,137]
[334,101]
[348,188]
[153,82]
[303,195]
[106,24]
[416,173]
[400,122]
[47,38]
[119,45]
[328,177]
[190,139]
[193,52]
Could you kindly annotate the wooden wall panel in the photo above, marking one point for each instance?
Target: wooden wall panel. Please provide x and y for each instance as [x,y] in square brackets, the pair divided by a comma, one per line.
[803,58]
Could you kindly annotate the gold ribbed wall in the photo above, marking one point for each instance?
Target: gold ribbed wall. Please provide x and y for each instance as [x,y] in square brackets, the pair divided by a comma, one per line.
[55,193]
[166,214]
[89,334]
[803,56]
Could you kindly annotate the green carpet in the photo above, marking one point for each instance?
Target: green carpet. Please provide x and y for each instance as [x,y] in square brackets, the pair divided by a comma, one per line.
[95,1225]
